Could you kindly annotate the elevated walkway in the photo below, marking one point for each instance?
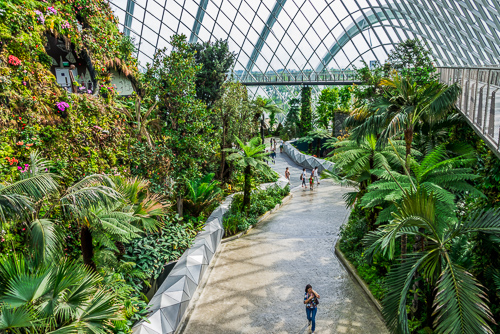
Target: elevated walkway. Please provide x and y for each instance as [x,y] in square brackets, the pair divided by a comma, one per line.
[479,99]
[324,78]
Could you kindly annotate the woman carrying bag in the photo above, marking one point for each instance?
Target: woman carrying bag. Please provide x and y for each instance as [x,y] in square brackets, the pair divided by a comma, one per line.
[311,300]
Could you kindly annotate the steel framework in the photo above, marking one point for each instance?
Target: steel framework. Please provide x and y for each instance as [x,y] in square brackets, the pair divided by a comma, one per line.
[298,36]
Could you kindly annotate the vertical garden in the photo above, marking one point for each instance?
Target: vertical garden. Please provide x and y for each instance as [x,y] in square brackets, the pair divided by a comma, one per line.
[107,173]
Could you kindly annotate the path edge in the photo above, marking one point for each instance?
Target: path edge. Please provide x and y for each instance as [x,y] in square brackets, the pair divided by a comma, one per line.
[264,216]
[354,273]
[187,315]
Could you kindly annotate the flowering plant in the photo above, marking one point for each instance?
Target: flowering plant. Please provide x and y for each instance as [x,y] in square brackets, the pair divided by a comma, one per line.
[62,105]
[65,25]
[13,60]
[40,17]
[51,10]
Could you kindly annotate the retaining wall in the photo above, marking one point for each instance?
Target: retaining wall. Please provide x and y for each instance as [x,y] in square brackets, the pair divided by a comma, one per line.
[169,304]
[305,160]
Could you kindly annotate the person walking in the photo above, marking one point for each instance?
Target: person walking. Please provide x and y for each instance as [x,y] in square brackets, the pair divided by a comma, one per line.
[273,156]
[316,175]
[281,146]
[311,300]
[287,174]
[303,177]
[311,182]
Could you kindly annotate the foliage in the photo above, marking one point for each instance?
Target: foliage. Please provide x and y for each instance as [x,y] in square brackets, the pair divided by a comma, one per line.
[403,104]
[459,301]
[53,295]
[291,127]
[330,101]
[306,123]
[186,131]
[216,60]
[412,59]
[236,118]
[250,157]
[202,193]
[446,177]
[236,220]
[151,252]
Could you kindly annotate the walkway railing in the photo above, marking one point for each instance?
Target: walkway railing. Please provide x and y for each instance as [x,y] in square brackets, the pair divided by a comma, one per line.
[479,99]
[347,77]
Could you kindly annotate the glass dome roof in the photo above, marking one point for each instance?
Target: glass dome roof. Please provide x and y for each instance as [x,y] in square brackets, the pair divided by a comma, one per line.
[297,35]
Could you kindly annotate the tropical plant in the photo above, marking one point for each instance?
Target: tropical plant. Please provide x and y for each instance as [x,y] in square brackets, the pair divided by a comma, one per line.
[264,106]
[249,157]
[445,177]
[306,121]
[315,136]
[291,126]
[202,193]
[404,104]
[355,163]
[456,300]
[53,296]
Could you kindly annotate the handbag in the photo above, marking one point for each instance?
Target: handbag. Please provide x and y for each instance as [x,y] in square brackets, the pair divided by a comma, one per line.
[300,177]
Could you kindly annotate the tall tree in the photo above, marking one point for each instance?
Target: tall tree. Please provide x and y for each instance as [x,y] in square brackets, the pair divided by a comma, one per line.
[250,156]
[328,103]
[263,107]
[187,131]
[291,126]
[216,60]
[236,119]
[305,110]
[411,58]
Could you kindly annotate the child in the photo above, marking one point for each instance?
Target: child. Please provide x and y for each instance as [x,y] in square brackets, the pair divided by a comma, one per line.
[311,182]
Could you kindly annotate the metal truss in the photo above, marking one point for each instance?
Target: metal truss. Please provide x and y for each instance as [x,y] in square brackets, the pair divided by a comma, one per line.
[286,37]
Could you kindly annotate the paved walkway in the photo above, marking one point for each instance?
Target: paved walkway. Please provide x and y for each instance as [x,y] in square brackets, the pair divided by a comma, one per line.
[257,284]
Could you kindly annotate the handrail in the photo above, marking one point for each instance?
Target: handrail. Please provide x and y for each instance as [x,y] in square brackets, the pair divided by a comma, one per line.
[479,100]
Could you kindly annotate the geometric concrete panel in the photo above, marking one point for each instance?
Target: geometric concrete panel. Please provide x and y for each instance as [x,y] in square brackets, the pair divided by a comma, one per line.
[306,161]
[171,301]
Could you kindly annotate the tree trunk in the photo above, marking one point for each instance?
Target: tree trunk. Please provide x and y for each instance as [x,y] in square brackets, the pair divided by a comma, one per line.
[246,190]
[179,206]
[262,129]
[87,247]
[408,140]
[408,133]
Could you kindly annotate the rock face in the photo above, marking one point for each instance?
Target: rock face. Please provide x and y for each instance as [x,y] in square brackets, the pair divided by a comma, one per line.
[339,121]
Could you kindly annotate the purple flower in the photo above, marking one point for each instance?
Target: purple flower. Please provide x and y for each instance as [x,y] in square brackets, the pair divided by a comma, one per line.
[40,17]
[89,92]
[65,25]
[19,167]
[52,10]
[62,105]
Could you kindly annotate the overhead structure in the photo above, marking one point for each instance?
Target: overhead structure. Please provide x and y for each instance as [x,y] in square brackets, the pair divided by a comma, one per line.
[301,35]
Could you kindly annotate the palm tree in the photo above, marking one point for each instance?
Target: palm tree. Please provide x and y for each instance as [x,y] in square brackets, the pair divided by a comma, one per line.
[356,161]
[266,106]
[53,296]
[445,177]
[456,301]
[404,104]
[249,157]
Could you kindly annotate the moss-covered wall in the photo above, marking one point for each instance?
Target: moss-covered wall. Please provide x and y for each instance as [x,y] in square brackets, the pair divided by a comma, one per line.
[91,134]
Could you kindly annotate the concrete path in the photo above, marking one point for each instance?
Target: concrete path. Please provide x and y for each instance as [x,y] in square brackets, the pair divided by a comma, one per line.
[257,283]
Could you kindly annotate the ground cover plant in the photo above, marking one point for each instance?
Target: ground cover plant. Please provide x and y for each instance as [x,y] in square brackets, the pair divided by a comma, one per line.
[262,200]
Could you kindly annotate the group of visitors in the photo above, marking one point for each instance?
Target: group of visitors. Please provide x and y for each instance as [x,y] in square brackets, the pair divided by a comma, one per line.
[272,154]
[313,177]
